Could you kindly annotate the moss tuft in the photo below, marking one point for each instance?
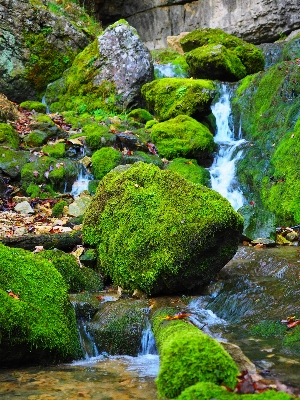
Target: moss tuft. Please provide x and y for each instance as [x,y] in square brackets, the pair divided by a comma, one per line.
[8,136]
[34,105]
[190,170]
[140,115]
[104,160]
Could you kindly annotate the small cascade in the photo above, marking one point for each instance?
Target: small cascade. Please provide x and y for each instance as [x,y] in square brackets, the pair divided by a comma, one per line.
[82,181]
[88,345]
[222,171]
[44,101]
[148,345]
[169,71]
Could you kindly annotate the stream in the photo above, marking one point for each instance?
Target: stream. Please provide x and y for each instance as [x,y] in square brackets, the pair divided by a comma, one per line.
[255,285]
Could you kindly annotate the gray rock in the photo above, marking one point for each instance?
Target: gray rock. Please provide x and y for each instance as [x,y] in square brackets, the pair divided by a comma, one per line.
[255,21]
[80,204]
[125,61]
[24,208]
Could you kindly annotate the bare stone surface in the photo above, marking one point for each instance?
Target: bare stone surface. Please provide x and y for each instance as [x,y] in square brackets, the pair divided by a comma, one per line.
[256,21]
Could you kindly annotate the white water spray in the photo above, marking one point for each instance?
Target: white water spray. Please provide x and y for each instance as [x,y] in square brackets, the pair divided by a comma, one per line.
[222,170]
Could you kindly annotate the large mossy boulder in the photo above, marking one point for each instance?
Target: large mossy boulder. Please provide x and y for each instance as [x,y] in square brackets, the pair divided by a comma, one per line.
[8,136]
[117,327]
[188,356]
[215,54]
[107,75]
[37,321]
[268,105]
[12,161]
[183,136]
[157,232]
[39,41]
[170,97]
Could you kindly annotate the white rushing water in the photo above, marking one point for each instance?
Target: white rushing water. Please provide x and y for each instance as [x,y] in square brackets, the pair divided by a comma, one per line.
[82,181]
[222,171]
[169,71]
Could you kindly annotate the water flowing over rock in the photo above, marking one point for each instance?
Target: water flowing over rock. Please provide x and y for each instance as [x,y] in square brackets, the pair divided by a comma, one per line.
[125,61]
[33,40]
[255,21]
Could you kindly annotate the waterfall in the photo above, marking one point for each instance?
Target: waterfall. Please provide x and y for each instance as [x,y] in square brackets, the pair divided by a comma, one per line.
[169,71]
[87,342]
[82,181]
[148,345]
[223,168]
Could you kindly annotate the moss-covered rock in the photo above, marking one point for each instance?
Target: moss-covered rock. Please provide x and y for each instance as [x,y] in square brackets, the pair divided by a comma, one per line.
[268,105]
[158,232]
[8,136]
[208,391]
[188,356]
[50,171]
[104,160]
[42,191]
[12,161]
[190,170]
[117,327]
[36,138]
[183,136]
[34,105]
[215,61]
[140,115]
[144,157]
[97,136]
[249,55]
[170,97]
[39,324]
[55,150]
[78,278]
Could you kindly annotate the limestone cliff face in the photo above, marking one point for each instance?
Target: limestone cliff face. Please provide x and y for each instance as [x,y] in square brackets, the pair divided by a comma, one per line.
[256,21]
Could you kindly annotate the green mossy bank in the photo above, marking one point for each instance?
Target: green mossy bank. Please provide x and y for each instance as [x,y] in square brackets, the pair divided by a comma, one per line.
[158,232]
[268,105]
[39,325]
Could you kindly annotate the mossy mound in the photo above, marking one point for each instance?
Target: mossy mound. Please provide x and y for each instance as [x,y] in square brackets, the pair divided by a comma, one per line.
[104,160]
[188,356]
[209,391]
[140,115]
[58,208]
[158,232]
[268,105]
[183,136]
[39,324]
[170,97]
[190,170]
[34,105]
[117,327]
[56,150]
[249,55]
[76,277]
[49,170]
[42,191]
[215,61]
[97,136]
[144,157]
[8,136]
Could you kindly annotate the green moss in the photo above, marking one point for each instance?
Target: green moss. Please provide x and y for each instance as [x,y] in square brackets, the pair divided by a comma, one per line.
[34,105]
[182,136]
[78,278]
[268,106]
[269,329]
[76,90]
[190,170]
[104,160]
[149,124]
[46,63]
[35,138]
[58,208]
[42,318]
[170,97]
[188,356]
[144,157]
[140,115]
[215,62]
[209,391]
[12,161]
[56,150]
[97,136]
[249,55]
[117,327]
[153,229]
[8,136]
[40,191]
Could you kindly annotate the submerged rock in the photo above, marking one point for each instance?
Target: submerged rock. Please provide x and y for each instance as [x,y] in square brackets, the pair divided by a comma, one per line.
[159,233]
